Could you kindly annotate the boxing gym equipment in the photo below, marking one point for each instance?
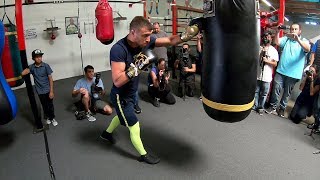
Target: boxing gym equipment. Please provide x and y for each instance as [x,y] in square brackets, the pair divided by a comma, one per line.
[23,56]
[231,37]
[11,62]
[8,102]
[104,17]
[141,62]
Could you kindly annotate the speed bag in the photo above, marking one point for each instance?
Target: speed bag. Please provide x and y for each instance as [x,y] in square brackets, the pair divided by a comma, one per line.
[11,60]
[104,18]
[8,101]
[230,56]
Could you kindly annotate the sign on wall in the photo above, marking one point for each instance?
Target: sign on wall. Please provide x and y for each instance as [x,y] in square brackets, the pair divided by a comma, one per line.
[72,26]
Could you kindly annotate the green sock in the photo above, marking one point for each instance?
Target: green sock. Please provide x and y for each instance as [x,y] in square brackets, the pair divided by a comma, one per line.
[114,124]
[135,138]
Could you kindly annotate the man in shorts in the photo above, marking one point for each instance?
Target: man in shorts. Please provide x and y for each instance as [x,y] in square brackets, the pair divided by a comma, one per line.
[90,89]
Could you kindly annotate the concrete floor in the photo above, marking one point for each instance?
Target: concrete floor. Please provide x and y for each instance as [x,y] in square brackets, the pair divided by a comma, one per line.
[190,144]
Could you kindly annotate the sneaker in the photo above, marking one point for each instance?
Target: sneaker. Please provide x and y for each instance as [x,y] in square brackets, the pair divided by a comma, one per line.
[54,122]
[149,159]
[281,113]
[156,102]
[90,117]
[260,111]
[311,126]
[48,121]
[270,110]
[107,137]
[137,109]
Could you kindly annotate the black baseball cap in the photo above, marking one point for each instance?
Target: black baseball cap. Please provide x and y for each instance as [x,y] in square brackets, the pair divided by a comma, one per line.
[36,52]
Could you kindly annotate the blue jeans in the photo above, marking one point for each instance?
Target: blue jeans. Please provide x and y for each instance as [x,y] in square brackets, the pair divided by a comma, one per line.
[136,98]
[282,82]
[260,97]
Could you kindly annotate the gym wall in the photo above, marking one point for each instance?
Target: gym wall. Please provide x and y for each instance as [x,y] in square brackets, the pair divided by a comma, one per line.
[63,54]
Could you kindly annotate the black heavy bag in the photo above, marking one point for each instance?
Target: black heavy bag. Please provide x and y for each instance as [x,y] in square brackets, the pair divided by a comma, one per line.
[230,55]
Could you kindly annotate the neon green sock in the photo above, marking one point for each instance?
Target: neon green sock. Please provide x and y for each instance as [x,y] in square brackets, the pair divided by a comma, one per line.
[135,138]
[114,124]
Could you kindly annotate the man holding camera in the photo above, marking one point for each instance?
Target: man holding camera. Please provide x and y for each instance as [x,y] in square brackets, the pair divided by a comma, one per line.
[187,66]
[158,84]
[290,68]
[90,87]
[268,60]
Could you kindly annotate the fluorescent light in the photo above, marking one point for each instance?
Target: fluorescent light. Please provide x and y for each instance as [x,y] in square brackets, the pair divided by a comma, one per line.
[286,19]
[307,22]
[313,23]
[266,2]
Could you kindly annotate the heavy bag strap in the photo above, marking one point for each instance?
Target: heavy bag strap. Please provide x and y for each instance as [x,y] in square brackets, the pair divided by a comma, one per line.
[5,15]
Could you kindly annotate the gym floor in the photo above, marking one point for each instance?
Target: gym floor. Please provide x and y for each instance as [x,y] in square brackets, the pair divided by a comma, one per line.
[190,144]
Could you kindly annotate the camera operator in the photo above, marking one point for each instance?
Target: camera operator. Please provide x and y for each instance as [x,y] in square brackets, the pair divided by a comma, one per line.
[158,84]
[309,87]
[290,69]
[186,64]
[90,88]
[267,62]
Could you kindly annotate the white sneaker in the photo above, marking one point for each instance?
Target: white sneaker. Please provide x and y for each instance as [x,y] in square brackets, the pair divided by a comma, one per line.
[48,121]
[54,122]
[90,117]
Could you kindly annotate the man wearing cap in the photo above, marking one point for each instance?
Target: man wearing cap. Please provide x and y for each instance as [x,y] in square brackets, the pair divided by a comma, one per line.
[42,75]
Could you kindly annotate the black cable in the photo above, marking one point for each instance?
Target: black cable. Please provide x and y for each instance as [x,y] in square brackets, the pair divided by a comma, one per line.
[52,175]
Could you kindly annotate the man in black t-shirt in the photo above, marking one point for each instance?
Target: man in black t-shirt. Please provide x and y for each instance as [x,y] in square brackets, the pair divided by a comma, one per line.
[187,67]
[127,57]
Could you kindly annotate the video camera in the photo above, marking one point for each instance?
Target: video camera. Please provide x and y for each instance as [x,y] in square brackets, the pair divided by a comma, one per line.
[283,27]
[162,80]
[94,87]
[262,55]
[309,72]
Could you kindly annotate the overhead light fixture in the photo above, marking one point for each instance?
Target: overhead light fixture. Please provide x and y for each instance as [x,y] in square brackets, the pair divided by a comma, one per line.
[313,23]
[307,22]
[266,2]
[286,19]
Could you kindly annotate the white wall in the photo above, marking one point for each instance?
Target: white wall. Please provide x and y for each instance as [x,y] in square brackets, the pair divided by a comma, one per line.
[63,54]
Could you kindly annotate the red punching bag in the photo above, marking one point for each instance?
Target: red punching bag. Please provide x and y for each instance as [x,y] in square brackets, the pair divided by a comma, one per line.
[104,17]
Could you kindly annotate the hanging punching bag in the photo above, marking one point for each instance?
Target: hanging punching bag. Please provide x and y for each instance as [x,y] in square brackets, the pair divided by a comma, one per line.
[8,102]
[11,60]
[230,55]
[104,18]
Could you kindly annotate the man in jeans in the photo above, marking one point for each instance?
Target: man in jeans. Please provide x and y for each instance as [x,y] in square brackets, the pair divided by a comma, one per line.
[290,67]
[268,61]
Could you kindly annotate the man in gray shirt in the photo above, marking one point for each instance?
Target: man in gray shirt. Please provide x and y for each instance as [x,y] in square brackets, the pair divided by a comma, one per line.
[161,52]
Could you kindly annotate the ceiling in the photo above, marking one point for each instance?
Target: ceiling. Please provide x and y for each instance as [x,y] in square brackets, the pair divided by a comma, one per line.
[300,10]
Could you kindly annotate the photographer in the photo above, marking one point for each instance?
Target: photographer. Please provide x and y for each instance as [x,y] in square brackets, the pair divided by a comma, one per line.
[158,87]
[290,68]
[309,87]
[267,62]
[90,88]
[186,64]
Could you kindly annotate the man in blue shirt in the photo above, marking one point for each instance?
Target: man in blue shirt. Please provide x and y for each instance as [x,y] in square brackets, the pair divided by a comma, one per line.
[290,67]
[125,55]
[90,91]
[315,54]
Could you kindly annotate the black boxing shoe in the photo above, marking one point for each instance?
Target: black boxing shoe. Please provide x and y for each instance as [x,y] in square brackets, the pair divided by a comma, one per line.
[107,137]
[149,159]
